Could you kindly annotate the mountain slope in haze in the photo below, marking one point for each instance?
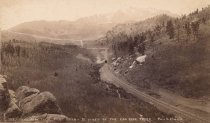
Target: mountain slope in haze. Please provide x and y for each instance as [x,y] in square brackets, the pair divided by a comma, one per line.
[92,27]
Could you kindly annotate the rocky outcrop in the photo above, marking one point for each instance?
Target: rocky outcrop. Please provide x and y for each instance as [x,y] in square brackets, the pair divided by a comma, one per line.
[4,96]
[35,102]
[25,91]
[13,111]
[8,107]
[29,103]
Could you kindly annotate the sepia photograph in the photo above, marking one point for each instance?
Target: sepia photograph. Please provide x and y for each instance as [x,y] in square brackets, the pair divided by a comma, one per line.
[104,61]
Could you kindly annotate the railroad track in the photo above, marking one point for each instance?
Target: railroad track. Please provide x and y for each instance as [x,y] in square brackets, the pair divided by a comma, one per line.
[110,76]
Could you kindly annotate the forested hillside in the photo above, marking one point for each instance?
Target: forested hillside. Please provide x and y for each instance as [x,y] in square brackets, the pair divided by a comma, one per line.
[177,51]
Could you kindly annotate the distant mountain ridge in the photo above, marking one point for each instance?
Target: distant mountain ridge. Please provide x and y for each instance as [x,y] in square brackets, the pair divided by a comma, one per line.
[87,28]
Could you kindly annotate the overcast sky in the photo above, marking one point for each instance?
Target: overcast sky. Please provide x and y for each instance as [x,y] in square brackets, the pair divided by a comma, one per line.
[13,12]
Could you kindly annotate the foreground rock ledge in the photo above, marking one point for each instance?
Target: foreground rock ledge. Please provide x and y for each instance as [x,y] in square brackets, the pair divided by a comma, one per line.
[28,104]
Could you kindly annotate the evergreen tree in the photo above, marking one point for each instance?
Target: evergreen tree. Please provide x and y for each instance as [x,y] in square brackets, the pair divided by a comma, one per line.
[195,28]
[178,31]
[17,50]
[187,29]
[9,49]
[170,29]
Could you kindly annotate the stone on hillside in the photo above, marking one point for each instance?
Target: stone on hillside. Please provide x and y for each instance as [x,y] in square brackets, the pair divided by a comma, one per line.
[25,91]
[141,59]
[133,64]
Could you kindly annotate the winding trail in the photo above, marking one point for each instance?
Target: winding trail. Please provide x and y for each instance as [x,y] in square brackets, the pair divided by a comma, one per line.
[109,76]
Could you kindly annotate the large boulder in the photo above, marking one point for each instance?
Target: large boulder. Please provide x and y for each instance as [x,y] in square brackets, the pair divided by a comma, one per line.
[141,59]
[31,101]
[28,102]
[25,91]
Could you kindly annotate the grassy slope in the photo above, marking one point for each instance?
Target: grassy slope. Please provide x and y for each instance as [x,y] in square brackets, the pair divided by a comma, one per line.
[74,82]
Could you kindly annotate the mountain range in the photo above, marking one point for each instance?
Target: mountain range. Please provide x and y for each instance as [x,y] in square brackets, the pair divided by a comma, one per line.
[86,28]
